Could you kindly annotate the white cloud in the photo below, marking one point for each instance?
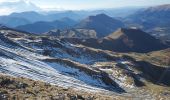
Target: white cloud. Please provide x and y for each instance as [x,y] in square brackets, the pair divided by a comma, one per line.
[2,1]
[5,11]
[17,6]
[8,1]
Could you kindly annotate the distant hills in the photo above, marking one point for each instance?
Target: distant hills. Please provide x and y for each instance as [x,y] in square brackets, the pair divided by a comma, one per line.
[101,23]
[33,16]
[153,20]
[13,21]
[17,19]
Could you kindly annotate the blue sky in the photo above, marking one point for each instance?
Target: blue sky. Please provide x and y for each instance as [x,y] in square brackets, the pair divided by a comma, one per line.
[92,4]
[9,6]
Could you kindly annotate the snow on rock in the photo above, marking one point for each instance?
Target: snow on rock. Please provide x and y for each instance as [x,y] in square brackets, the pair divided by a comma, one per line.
[17,60]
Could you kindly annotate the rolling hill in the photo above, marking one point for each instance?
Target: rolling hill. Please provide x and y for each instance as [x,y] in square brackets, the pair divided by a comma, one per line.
[13,21]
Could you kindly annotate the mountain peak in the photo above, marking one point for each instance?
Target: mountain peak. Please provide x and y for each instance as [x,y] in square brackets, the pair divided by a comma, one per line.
[124,32]
[99,16]
[133,30]
[135,40]
[101,23]
[2,26]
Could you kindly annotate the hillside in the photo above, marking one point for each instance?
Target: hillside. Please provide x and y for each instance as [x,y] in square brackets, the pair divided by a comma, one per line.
[23,88]
[135,40]
[160,58]
[74,66]
[123,40]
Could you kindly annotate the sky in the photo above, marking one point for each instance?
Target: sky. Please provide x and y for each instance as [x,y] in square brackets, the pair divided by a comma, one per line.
[94,4]
[80,4]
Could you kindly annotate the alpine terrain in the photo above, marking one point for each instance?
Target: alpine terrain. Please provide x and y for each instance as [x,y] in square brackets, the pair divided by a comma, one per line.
[68,51]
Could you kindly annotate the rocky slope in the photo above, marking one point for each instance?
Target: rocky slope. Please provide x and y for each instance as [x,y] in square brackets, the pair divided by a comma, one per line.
[67,65]
[72,33]
[12,88]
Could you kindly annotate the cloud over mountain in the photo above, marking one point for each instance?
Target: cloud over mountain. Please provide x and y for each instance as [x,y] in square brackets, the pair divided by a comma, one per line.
[17,6]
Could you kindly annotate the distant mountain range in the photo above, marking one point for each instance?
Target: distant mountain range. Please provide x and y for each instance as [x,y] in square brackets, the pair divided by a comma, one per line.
[17,19]
[101,23]
[32,15]
[152,17]
[155,20]
[13,21]
[44,26]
